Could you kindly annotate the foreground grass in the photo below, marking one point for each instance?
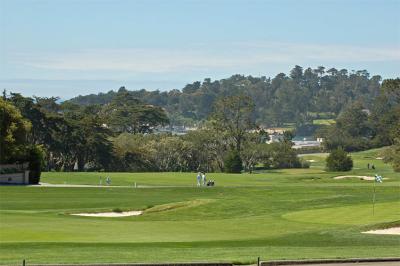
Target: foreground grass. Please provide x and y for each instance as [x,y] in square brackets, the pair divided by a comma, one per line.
[285,214]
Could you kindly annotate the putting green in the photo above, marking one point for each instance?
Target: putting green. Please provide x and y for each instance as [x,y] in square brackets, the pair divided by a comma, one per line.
[350,215]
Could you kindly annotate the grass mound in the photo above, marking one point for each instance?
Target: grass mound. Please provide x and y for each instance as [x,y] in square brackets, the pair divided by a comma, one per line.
[178,205]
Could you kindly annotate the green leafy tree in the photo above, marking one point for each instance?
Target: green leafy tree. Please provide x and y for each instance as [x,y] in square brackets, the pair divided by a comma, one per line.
[385,113]
[126,113]
[254,149]
[252,154]
[13,132]
[353,121]
[209,149]
[339,160]
[281,155]
[352,130]
[392,155]
[131,153]
[233,162]
[88,139]
[233,115]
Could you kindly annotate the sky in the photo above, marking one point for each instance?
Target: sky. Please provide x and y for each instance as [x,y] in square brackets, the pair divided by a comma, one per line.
[67,48]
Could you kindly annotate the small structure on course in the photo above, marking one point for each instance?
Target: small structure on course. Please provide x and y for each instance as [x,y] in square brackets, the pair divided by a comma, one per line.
[14,174]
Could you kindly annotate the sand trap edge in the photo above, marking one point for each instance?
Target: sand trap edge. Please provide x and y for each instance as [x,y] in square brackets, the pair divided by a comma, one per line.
[361,177]
[387,231]
[109,214]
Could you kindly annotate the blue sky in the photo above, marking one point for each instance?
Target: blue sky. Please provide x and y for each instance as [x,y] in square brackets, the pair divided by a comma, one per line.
[69,47]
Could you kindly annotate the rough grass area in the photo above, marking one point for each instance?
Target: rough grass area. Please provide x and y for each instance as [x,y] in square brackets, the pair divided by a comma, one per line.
[277,214]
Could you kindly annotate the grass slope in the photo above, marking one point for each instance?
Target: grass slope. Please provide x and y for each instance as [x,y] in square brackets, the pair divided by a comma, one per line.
[280,214]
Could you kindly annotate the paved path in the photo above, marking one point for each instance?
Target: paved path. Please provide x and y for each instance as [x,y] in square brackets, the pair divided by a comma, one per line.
[386,263]
[98,186]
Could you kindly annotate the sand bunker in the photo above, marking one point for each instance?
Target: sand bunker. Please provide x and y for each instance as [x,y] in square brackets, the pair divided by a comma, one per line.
[311,161]
[388,231]
[362,177]
[110,214]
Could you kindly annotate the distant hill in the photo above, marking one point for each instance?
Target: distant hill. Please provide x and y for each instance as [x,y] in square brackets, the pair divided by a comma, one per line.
[299,97]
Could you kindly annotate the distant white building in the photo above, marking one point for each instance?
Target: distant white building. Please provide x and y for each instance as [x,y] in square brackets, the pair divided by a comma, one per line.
[274,138]
[174,130]
[298,144]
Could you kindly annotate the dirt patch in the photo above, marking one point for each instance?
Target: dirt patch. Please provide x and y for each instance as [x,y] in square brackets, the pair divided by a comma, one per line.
[109,214]
[387,231]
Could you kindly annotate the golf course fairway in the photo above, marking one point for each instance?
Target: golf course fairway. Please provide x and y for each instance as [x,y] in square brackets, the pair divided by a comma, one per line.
[272,214]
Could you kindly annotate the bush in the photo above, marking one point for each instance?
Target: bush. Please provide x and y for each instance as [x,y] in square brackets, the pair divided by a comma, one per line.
[233,163]
[118,210]
[339,160]
[35,155]
[304,163]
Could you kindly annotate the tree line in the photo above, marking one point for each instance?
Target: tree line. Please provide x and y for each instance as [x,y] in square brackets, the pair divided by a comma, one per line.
[119,135]
[300,97]
[72,136]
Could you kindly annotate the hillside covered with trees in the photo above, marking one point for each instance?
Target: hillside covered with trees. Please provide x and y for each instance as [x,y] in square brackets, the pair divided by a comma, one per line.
[300,97]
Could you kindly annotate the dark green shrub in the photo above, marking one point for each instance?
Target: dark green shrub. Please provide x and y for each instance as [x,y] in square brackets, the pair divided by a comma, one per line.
[118,210]
[304,163]
[281,155]
[339,160]
[233,163]
[35,157]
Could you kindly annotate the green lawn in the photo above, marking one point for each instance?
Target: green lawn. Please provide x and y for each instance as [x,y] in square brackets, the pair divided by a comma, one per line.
[277,214]
[325,122]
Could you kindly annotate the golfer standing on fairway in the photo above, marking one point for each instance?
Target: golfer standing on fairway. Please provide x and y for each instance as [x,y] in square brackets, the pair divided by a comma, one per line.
[203,178]
[198,179]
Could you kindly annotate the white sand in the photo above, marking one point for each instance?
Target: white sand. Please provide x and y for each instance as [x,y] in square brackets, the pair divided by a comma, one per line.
[388,231]
[362,177]
[311,161]
[110,214]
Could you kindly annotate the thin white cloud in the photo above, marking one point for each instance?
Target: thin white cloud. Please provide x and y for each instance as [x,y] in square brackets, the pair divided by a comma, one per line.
[216,57]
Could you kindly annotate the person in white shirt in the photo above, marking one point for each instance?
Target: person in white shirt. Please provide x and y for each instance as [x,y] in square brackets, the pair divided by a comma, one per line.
[198,179]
